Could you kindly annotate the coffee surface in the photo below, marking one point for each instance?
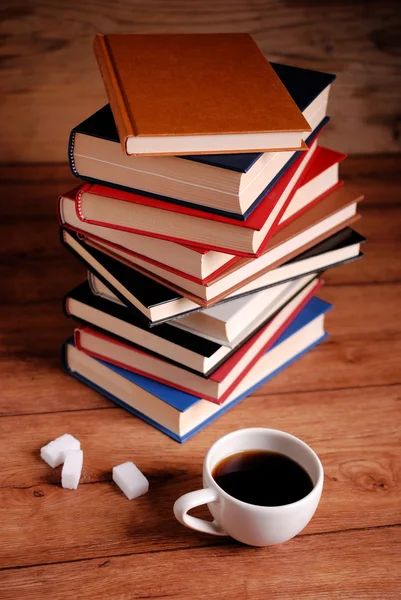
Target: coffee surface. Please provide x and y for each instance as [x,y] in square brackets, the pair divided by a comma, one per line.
[263,478]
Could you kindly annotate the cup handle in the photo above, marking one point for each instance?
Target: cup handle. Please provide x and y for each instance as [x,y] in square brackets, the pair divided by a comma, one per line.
[192,499]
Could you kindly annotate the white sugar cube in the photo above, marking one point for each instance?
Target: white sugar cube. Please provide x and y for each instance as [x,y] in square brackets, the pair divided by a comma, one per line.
[72,468]
[130,480]
[54,452]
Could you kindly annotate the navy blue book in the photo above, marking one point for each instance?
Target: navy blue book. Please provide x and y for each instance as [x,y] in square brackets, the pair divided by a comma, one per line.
[181,415]
[228,184]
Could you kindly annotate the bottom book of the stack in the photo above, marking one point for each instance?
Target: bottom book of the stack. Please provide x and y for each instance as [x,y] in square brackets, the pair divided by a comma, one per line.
[176,413]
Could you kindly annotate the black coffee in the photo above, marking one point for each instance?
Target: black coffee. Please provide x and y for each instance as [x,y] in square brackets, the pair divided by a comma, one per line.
[263,478]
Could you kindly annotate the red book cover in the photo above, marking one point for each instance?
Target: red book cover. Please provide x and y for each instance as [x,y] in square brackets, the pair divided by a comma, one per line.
[254,222]
[322,160]
[71,195]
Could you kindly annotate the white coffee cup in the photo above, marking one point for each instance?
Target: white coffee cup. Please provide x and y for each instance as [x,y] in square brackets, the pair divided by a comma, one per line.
[248,523]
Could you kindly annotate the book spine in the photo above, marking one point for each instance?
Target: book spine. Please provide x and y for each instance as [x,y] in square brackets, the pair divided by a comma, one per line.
[60,217]
[63,355]
[123,122]
[77,339]
[71,158]
[65,306]
[91,283]
[78,201]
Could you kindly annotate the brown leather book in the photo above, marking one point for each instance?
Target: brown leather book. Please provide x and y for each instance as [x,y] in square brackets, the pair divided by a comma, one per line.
[196,93]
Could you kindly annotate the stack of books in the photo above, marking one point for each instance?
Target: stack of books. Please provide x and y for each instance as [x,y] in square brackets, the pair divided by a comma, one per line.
[207,215]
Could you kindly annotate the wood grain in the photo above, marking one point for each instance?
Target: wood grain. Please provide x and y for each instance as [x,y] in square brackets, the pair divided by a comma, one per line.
[343,398]
[51,81]
[362,467]
[350,564]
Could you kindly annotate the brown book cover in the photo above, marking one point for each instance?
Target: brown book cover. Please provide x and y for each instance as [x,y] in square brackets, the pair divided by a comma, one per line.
[204,85]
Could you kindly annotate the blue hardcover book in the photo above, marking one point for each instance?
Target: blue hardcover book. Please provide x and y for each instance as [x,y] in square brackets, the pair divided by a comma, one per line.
[181,415]
[234,186]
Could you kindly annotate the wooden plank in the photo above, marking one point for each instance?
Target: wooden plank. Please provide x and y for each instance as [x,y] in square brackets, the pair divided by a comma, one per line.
[32,279]
[31,191]
[353,564]
[378,177]
[380,263]
[359,453]
[42,101]
[40,379]
[364,348]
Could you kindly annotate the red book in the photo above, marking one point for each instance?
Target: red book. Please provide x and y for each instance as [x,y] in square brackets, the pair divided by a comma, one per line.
[192,260]
[321,177]
[120,210]
[218,386]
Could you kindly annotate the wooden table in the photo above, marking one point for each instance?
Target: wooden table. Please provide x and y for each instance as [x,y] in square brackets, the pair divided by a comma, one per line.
[344,399]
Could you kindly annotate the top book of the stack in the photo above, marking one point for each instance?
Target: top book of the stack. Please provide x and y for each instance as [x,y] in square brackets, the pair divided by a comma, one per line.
[232,185]
[197,94]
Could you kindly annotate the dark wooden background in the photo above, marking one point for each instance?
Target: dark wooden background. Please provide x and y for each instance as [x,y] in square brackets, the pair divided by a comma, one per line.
[50,79]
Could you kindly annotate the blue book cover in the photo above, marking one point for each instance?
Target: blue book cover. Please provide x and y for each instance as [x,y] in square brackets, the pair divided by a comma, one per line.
[182,401]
